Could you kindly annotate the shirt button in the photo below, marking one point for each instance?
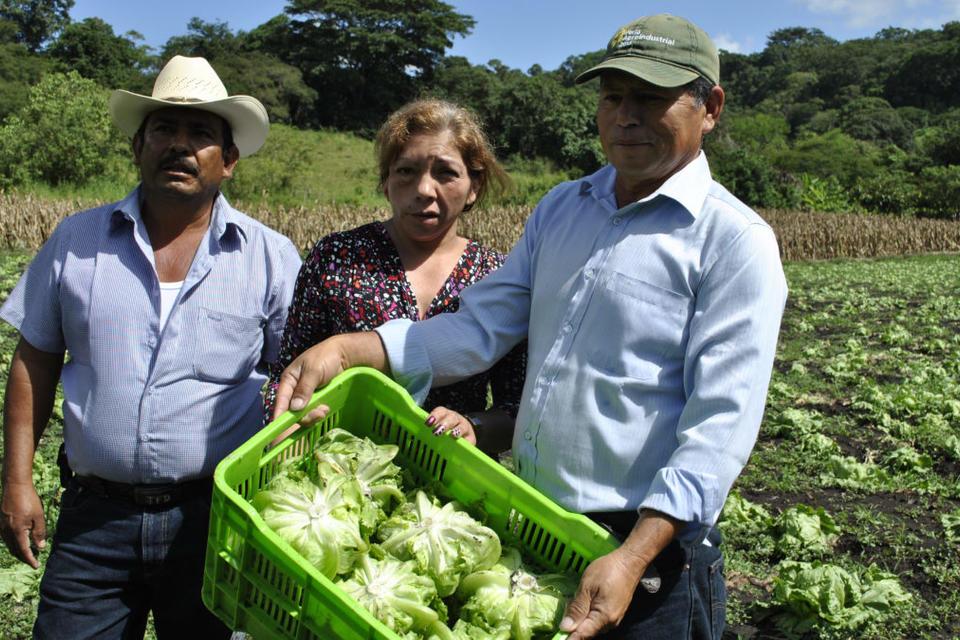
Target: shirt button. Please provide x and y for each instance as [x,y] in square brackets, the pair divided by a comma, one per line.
[527,436]
[617,220]
[567,327]
[588,274]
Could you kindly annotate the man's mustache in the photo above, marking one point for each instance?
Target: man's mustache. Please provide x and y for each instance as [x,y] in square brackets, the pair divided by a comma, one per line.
[178,163]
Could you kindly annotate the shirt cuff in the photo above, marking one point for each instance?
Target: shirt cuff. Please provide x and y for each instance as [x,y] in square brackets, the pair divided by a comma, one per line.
[409,361]
[685,495]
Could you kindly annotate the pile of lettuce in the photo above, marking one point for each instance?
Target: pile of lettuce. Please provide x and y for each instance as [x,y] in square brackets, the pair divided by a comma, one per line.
[423,565]
[812,595]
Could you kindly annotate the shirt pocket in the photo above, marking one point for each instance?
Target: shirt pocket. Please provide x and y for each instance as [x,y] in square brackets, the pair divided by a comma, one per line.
[227,346]
[652,322]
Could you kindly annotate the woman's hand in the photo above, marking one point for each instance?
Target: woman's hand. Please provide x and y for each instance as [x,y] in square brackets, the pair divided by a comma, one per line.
[448,421]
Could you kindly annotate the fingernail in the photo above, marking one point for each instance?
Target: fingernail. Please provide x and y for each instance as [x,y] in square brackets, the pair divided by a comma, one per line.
[297,403]
[566,625]
[430,421]
[42,544]
[438,430]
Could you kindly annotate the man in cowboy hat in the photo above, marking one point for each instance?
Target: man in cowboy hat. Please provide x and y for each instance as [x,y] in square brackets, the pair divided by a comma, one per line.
[651,298]
[171,304]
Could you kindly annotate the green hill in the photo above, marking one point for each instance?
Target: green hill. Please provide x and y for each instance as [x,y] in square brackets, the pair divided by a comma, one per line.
[302,167]
[298,167]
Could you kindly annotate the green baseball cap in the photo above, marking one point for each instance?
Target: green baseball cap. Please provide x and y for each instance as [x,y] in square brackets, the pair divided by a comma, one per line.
[664,50]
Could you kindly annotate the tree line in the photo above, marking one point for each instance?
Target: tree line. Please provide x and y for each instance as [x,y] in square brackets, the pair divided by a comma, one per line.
[870,124]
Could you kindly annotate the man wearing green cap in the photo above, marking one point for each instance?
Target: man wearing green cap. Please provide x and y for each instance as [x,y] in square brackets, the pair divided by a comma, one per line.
[651,298]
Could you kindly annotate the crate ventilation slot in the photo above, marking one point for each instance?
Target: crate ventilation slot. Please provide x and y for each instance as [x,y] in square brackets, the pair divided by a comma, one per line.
[537,540]
[383,426]
[279,584]
[332,421]
[245,488]
[227,574]
[425,459]
[274,611]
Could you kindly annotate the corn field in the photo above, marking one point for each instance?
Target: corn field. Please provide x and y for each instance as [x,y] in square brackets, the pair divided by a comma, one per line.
[821,236]
[27,221]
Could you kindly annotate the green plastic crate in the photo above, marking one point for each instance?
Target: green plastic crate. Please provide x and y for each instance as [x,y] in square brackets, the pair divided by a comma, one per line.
[256,582]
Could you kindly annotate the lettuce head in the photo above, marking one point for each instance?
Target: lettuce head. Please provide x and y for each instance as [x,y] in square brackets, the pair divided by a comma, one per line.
[445,542]
[340,453]
[397,595]
[320,523]
[510,601]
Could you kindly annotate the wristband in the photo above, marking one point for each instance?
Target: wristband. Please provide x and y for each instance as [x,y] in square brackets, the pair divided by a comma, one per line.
[477,420]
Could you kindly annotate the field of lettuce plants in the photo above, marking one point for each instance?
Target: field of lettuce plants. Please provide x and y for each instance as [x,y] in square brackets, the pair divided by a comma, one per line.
[846,522]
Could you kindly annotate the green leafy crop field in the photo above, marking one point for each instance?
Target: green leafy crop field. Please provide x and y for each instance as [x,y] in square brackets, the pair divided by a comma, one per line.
[846,521]
[861,436]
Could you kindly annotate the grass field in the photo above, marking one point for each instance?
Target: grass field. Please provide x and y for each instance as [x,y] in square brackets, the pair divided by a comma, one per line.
[307,169]
[846,521]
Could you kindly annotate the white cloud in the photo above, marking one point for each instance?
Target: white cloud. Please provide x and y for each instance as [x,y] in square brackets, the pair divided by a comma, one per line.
[880,13]
[856,13]
[951,10]
[726,42]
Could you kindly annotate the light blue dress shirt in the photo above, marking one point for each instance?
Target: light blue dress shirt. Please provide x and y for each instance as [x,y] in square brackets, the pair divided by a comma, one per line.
[141,404]
[652,331]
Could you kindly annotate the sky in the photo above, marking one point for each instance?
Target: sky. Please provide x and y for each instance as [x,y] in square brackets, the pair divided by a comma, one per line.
[521,33]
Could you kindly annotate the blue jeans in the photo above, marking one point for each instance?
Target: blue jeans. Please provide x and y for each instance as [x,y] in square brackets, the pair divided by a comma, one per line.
[113,562]
[691,603]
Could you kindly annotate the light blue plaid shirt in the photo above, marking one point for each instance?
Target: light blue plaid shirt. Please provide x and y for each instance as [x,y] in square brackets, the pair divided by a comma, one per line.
[652,331]
[141,405]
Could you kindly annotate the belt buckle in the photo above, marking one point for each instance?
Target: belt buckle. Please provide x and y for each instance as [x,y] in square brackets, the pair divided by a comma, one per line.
[152,496]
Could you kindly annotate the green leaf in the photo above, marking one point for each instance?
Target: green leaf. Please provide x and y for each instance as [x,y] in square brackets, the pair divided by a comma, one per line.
[445,541]
[951,525]
[805,531]
[19,581]
[744,516]
[813,595]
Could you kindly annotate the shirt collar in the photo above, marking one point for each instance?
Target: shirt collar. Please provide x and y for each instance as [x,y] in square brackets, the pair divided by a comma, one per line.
[223,220]
[689,186]
[128,208]
[226,219]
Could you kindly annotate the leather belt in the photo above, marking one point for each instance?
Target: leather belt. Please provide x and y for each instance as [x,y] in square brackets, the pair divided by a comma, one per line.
[146,495]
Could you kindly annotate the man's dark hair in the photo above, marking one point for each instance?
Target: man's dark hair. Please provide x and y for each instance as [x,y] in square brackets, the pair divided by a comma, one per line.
[227,132]
[227,135]
[699,90]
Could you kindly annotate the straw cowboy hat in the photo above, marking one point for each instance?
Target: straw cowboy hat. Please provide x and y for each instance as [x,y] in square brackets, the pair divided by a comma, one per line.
[192,82]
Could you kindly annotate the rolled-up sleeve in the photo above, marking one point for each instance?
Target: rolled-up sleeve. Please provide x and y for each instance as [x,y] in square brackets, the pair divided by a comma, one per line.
[727,366]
